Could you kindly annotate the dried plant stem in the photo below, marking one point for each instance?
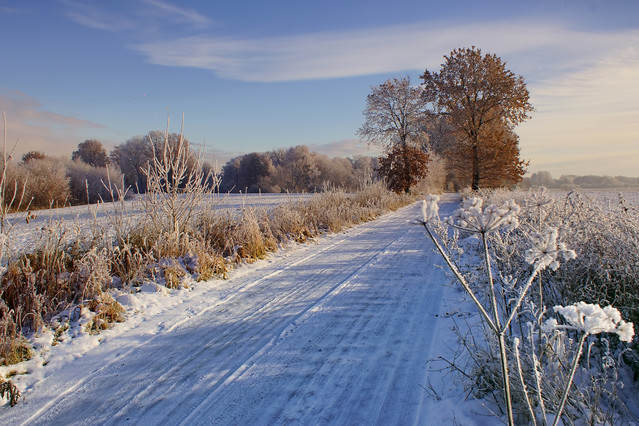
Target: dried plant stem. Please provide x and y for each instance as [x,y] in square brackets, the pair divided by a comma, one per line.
[522,382]
[571,376]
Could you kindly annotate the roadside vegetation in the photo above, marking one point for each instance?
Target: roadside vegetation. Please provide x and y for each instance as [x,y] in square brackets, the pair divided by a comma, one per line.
[554,279]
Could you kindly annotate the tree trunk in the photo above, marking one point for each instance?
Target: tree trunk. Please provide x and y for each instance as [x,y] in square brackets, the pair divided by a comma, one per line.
[475,159]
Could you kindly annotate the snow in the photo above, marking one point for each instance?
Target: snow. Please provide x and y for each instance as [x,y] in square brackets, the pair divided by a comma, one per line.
[76,220]
[336,331]
[593,319]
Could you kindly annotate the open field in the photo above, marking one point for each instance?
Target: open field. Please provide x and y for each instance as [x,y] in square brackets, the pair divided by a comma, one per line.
[82,218]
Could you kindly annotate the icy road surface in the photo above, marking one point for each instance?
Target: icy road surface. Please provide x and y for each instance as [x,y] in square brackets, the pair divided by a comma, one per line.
[337,331]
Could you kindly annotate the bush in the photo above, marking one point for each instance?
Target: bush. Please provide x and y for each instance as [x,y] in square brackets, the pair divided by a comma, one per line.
[90,184]
[44,181]
[530,352]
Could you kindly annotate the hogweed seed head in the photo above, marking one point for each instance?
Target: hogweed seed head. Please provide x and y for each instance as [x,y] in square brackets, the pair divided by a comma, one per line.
[430,208]
[545,250]
[539,198]
[474,217]
[592,319]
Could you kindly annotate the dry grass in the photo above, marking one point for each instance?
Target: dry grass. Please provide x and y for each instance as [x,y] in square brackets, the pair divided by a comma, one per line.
[107,311]
[15,350]
[10,391]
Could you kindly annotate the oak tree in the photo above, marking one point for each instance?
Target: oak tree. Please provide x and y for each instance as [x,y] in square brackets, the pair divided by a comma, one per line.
[403,167]
[482,102]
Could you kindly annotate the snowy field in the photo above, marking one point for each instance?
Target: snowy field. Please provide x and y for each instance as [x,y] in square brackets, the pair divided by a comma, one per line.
[78,219]
[337,331]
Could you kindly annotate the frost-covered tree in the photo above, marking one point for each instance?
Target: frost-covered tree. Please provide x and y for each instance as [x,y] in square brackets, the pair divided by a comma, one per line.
[91,152]
[479,99]
[133,156]
[395,118]
[394,114]
[33,155]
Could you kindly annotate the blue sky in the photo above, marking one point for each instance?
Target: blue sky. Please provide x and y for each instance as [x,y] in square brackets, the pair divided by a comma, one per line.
[259,75]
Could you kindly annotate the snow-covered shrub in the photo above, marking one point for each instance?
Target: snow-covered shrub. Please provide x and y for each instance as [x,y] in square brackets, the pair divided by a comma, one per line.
[40,183]
[176,188]
[287,223]
[525,252]
[90,184]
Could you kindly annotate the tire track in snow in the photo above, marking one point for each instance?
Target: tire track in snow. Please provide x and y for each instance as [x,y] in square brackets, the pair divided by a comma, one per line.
[89,385]
[290,328]
[244,285]
[377,355]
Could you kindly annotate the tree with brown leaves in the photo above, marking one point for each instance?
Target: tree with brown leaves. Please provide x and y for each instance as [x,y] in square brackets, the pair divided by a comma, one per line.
[482,102]
[403,167]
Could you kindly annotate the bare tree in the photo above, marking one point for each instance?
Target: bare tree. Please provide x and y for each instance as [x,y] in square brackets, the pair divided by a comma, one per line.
[176,187]
[478,96]
[394,114]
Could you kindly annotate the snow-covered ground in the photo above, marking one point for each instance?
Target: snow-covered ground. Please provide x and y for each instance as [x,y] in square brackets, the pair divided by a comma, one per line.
[75,220]
[337,331]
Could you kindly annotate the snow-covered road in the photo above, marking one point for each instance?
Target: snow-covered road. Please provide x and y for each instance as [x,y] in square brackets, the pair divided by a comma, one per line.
[333,332]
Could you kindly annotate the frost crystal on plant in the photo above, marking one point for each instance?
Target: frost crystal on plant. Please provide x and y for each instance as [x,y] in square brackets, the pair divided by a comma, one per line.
[430,208]
[474,218]
[545,250]
[540,198]
[593,319]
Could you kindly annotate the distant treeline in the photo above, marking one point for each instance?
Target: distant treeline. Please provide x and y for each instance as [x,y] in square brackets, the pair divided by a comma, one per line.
[295,169]
[544,178]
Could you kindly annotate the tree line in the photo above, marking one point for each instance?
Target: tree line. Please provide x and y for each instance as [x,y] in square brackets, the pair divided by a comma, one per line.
[295,169]
[568,182]
[91,174]
[465,114]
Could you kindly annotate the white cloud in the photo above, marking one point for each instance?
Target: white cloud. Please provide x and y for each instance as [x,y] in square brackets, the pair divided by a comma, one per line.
[346,148]
[95,17]
[536,48]
[152,18]
[186,16]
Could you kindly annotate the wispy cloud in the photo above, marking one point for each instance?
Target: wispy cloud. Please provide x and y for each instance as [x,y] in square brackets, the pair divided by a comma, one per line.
[346,148]
[178,14]
[39,129]
[147,16]
[94,16]
[535,47]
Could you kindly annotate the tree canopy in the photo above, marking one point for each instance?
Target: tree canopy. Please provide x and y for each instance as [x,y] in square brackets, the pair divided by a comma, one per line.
[481,101]
[394,113]
[91,152]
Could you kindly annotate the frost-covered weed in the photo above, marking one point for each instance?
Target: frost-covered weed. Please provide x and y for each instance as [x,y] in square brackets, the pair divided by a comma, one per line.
[526,256]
